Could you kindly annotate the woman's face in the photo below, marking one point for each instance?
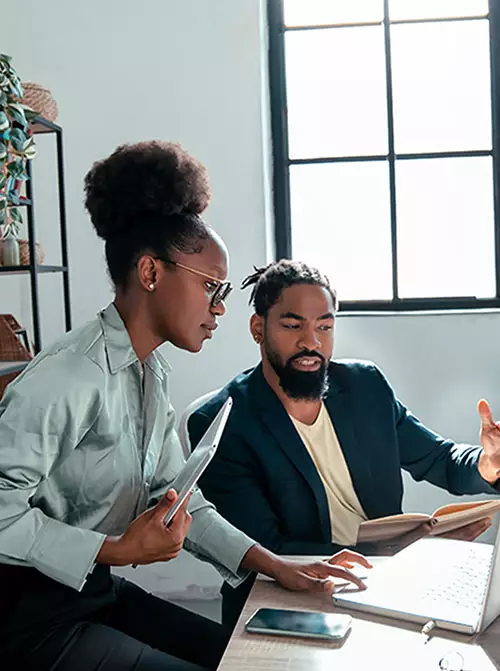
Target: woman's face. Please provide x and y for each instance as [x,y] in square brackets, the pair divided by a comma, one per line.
[183,312]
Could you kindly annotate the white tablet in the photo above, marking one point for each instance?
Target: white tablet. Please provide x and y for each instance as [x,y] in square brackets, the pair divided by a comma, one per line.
[199,459]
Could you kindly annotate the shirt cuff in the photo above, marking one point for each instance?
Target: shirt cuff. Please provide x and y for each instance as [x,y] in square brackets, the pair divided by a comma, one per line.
[65,553]
[221,544]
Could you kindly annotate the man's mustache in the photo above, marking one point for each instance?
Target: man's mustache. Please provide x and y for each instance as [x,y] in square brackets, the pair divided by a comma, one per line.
[307,354]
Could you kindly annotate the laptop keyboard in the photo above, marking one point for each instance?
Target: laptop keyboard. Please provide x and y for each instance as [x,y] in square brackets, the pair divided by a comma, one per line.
[434,579]
[465,582]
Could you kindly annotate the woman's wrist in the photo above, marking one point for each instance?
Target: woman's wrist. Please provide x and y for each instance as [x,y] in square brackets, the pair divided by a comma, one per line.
[114,552]
[263,561]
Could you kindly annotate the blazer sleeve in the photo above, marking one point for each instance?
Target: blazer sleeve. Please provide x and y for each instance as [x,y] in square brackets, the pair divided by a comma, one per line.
[232,483]
[428,456]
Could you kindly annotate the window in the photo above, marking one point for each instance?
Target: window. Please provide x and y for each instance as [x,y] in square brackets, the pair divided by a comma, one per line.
[385,133]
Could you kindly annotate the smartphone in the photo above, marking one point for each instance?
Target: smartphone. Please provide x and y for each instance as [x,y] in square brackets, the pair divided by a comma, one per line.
[273,621]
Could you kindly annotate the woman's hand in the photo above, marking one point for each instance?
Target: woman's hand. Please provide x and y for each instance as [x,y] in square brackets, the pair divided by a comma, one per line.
[304,576]
[148,540]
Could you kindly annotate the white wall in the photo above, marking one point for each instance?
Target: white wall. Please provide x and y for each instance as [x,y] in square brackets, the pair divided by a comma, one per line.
[194,71]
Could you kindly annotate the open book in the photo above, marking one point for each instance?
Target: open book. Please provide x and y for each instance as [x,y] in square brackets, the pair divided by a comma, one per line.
[443,520]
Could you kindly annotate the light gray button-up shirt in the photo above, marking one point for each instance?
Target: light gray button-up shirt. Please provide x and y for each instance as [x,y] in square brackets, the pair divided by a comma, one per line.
[87,443]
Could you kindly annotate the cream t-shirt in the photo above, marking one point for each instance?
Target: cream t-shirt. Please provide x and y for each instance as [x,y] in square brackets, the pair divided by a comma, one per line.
[346,513]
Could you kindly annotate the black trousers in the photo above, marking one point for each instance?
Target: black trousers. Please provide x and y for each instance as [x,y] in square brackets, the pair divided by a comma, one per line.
[112,625]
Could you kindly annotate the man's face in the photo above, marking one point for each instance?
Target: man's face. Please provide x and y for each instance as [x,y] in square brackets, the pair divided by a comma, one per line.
[298,340]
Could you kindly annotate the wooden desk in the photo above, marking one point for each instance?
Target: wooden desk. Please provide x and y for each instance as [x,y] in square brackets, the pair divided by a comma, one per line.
[374,644]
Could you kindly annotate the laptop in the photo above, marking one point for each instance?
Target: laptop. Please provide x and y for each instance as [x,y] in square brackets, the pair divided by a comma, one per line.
[456,584]
[199,459]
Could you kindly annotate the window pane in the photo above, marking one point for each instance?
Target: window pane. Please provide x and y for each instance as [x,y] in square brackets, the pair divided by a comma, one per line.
[441,86]
[336,92]
[435,9]
[341,224]
[445,227]
[320,12]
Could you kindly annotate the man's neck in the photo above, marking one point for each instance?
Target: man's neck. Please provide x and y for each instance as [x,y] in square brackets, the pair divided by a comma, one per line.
[304,411]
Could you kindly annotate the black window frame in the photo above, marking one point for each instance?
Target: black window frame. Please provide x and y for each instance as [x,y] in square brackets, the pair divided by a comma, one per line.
[282,161]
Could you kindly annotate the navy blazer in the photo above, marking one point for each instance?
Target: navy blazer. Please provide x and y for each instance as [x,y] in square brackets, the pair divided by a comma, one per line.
[263,480]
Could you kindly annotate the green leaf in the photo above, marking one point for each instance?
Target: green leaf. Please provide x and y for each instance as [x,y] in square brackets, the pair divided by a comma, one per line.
[30,153]
[4,122]
[3,151]
[2,217]
[18,139]
[17,114]
[3,182]
[16,215]
[3,204]
[29,113]
[13,197]
[15,167]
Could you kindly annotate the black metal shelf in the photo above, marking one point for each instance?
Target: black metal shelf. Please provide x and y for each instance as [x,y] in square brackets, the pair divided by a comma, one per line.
[41,125]
[19,270]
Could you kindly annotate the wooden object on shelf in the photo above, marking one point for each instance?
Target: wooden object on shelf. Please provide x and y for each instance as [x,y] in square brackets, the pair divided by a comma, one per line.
[14,348]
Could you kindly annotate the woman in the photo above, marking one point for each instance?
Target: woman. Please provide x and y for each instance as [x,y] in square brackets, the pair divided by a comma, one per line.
[88,447]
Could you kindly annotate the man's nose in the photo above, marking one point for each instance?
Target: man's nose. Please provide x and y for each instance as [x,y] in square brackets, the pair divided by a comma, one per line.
[309,340]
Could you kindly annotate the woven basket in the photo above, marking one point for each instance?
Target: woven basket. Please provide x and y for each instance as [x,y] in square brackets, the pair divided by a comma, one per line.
[24,253]
[40,99]
[12,347]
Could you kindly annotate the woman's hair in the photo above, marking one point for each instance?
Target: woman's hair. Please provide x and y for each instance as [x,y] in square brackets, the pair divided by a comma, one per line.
[270,281]
[147,197]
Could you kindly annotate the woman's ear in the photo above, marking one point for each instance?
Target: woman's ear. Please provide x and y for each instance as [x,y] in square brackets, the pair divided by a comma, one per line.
[147,272]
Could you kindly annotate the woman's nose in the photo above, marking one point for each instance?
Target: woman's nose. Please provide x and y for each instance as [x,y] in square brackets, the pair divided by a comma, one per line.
[219,310]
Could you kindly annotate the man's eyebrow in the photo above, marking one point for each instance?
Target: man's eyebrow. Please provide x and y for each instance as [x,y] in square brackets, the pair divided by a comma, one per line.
[327,315]
[291,315]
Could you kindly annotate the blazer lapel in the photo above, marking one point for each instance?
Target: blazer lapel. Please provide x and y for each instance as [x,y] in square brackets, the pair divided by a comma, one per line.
[277,421]
[344,420]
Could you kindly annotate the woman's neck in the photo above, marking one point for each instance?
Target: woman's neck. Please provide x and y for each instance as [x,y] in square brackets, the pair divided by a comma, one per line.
[137,322]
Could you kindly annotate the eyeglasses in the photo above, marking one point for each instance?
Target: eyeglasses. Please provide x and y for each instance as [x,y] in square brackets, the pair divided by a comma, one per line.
[452,661]
[217,290]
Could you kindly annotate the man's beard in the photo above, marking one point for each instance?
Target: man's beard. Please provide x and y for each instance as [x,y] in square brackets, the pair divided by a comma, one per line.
[297,384]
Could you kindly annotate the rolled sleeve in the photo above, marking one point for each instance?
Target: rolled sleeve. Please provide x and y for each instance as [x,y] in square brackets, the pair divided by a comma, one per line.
[71,565]
[212,538]
[42,420]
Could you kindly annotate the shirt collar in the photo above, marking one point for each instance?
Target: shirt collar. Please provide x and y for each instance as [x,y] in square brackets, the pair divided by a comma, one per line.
[119,349]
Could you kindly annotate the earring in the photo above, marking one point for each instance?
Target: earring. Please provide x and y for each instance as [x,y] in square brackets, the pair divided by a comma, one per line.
[151,286]
[257,340]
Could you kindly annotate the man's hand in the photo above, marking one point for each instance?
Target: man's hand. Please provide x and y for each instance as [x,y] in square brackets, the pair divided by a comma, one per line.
[147,539]
[306,576]
[470,532]
[467,533]
[489,461]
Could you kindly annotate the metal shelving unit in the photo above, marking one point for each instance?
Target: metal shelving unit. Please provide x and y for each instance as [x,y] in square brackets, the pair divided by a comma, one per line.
[41,125]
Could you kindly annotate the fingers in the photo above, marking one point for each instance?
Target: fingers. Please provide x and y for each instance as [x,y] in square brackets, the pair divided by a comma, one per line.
[167,500]
[348,558]
[471,531]
[181,517]
[485,415]
[324,569]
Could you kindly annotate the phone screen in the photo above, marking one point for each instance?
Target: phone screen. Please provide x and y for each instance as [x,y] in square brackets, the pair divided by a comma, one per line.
[299,623]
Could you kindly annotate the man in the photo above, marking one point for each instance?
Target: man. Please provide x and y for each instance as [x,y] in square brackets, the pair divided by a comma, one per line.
[313,447]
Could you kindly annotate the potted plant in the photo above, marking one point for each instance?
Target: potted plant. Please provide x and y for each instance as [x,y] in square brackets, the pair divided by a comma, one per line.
[17,146]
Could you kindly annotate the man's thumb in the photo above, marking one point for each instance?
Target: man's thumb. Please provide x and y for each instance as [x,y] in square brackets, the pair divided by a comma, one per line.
[485,413]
